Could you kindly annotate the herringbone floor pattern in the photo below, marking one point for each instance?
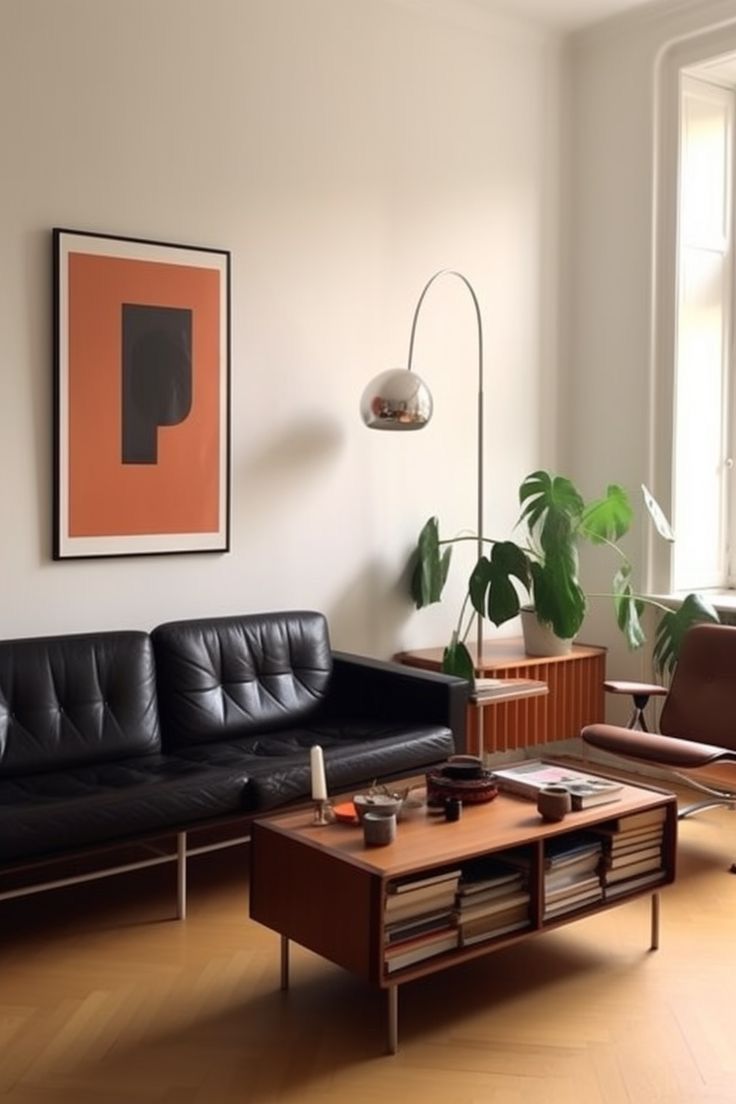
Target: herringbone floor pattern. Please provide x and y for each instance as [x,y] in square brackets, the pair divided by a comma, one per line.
[104,999]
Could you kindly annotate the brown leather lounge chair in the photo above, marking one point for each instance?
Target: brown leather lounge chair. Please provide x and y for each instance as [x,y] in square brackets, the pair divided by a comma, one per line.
[698,722]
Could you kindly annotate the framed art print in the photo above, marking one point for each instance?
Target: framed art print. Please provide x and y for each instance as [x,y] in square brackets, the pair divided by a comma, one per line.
[141,397]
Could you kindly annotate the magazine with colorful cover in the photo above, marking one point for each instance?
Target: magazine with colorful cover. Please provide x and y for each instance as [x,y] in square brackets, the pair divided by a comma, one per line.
[528,777]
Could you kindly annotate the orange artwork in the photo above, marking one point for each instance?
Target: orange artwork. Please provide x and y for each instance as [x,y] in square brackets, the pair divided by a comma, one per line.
[144,439]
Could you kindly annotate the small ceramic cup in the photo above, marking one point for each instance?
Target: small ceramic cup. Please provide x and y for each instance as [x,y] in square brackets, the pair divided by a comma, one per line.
[376,803]
[453,808]
[379,828]
[554,802]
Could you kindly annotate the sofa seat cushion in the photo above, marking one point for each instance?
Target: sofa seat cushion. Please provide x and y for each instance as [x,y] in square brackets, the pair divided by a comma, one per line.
[355,752]
[47,813]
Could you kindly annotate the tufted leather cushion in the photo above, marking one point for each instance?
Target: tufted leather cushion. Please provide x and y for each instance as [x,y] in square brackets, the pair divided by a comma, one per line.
[94,804]
[70,700]
[225,677]
[355,752]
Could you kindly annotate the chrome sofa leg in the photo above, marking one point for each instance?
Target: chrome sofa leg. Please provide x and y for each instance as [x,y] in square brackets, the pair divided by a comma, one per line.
[701,806]
[181,875]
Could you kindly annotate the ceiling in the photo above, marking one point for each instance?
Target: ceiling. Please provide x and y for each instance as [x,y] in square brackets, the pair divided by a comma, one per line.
[573,14]
[722,71]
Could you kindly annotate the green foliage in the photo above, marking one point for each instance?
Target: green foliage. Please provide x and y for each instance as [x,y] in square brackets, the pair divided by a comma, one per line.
[556,519]
[672,627]
[628,607]
[609,518]
[491,591]
[559,600]
[456,660]
[550,504]
[431,566]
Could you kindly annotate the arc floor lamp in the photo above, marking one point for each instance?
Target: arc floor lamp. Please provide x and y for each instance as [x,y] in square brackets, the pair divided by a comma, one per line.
[399,399]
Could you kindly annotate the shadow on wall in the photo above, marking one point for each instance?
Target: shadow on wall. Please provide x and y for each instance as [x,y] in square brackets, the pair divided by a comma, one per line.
[302,448]
[371,612]
[367,616]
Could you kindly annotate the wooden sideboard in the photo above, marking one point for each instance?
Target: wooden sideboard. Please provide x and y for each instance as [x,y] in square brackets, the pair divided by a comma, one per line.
[575,696]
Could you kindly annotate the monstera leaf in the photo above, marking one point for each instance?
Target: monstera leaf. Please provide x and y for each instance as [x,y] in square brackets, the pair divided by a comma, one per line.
[608,518]
[559,600]
[431,566]
[492,592]
[628,608]
[456,660]
[551,505]
[673,626]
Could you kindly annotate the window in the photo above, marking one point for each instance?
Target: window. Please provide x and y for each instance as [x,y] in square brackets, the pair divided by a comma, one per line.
[704,509]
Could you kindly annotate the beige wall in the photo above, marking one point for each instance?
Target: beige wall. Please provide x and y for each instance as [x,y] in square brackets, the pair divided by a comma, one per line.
[343,150]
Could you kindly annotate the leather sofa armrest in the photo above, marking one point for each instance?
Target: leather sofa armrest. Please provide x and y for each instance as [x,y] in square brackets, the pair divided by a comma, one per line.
[384,691]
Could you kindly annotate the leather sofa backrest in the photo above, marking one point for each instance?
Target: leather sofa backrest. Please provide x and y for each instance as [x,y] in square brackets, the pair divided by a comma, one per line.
[70,700]
[221,678]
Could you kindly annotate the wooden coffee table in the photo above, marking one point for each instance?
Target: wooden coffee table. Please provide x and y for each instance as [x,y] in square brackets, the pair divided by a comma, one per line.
[322,888]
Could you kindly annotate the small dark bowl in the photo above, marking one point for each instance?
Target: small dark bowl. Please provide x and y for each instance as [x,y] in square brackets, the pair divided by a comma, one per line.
[463,770]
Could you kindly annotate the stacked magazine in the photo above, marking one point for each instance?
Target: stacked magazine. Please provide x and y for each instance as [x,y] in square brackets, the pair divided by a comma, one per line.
[528,777]
[571,873]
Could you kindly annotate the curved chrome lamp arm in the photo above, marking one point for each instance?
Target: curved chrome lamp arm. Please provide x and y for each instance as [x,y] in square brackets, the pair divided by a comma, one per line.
[474,297]
[396,400]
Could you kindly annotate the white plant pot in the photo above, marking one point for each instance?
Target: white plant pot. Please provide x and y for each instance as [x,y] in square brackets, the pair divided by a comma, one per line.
[539,640]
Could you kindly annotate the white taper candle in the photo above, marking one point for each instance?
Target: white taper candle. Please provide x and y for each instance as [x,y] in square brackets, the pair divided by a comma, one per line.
[319,782]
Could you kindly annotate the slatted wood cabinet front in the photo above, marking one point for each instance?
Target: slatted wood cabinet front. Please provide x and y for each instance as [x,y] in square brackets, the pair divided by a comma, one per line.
[575,699]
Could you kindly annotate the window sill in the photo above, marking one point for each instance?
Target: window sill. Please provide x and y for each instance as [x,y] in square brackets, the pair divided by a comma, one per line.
[724,601]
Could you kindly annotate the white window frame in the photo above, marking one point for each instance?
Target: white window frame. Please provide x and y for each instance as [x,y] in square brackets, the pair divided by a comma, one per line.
[703,512]
[671,63]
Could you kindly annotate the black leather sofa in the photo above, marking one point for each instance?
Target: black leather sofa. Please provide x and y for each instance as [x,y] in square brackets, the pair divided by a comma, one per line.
[113,737]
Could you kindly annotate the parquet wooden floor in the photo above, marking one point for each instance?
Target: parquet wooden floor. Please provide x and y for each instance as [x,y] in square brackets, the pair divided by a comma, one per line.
[105,1000]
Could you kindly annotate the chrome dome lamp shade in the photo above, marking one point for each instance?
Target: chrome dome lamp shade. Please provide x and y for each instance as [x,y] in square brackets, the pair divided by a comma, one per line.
[396,399]
[399,399]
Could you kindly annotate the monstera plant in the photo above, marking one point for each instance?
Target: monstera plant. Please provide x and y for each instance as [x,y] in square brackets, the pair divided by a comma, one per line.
[544,564]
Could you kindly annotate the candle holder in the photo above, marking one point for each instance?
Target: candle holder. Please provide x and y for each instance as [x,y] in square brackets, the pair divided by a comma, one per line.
[323,813]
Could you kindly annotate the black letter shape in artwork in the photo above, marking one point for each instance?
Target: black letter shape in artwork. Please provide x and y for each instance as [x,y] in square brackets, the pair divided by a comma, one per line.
[157,376]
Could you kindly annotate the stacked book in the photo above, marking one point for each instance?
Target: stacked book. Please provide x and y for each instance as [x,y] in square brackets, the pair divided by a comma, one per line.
[419,919]
[632,852]
[492,899]
[571,873]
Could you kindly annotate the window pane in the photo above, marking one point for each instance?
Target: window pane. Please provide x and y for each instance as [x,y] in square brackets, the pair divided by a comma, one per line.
[703,323]
[703,210]
[699,421]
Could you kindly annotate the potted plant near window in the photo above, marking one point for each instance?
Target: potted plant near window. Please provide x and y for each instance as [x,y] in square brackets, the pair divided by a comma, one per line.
[545,564]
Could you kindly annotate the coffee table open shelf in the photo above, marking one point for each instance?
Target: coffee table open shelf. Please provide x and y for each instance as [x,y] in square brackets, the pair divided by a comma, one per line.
[322,888]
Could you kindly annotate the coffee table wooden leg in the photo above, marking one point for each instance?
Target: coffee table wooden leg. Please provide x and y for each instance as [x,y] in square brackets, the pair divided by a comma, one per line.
[654,946]
[392,1007]
[284,962]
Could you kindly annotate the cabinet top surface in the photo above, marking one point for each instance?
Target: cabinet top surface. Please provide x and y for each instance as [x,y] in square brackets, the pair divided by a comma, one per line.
[506,652]
[425,842]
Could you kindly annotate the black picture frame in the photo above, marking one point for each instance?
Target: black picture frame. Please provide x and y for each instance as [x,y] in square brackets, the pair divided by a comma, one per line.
[142,402]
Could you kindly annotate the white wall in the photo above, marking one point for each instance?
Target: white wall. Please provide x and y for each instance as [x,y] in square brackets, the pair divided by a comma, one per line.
[616,421]
[343,150]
